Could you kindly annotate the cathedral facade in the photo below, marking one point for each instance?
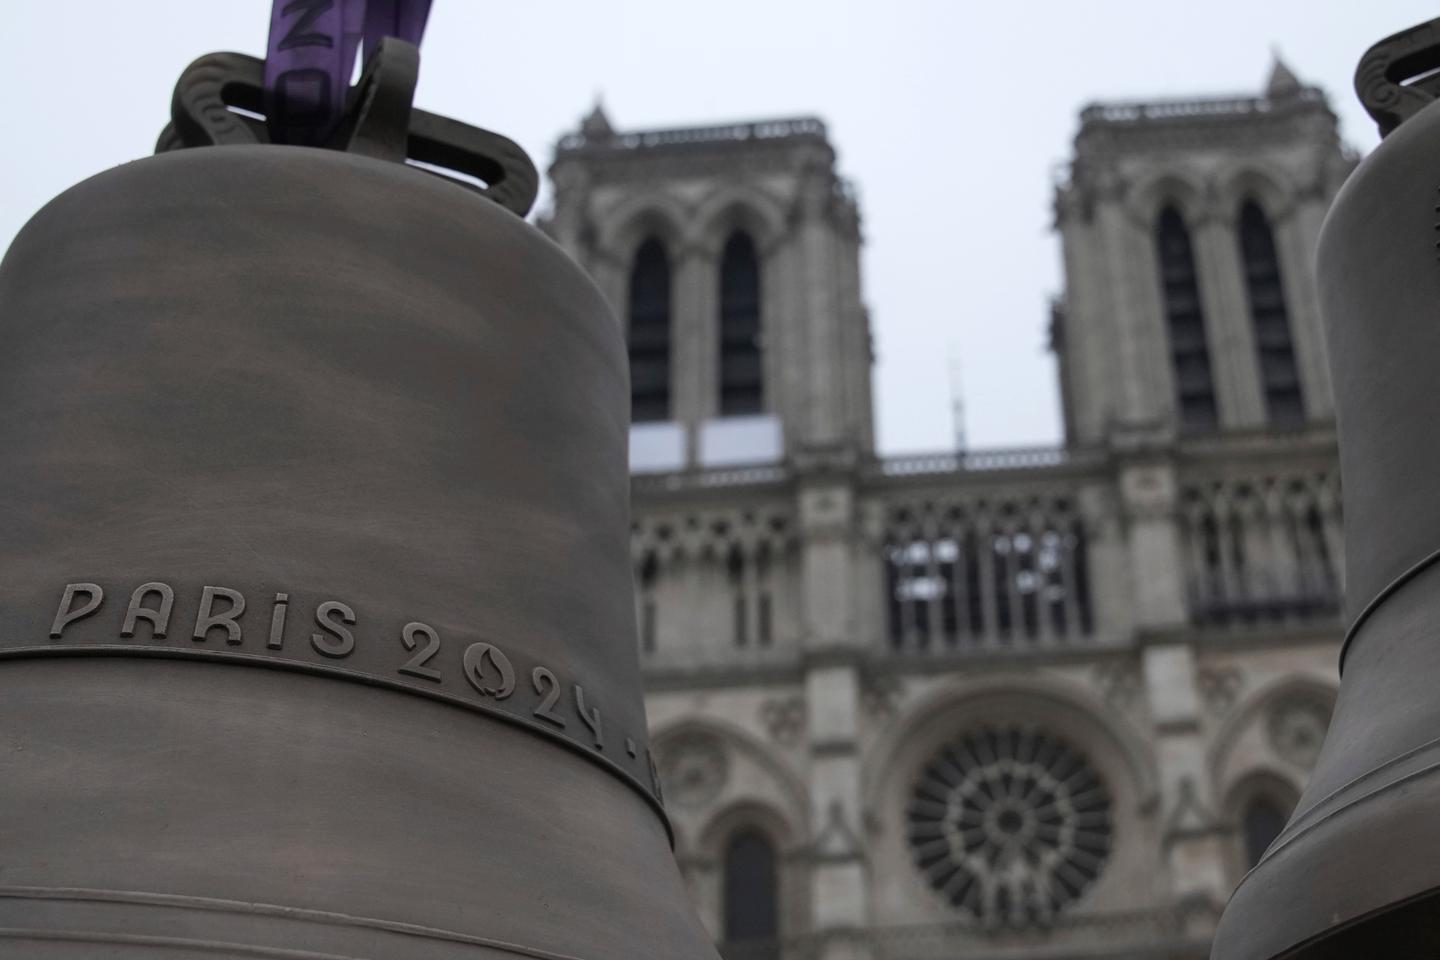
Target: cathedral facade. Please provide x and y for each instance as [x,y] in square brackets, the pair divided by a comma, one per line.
[978,703]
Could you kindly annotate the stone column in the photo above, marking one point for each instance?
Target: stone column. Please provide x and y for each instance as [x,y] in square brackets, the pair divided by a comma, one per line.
[1087,355]
[689,329]
[853,338]
[1109,561]
[1193,837]
[1149,495]
[1228,329]
[1141,388]
[839,906]
[1193,843]
[1295,237]
[821,418]
[784,342]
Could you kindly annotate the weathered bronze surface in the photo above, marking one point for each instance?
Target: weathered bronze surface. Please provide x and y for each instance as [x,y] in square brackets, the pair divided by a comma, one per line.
[316,623]
[1355,872]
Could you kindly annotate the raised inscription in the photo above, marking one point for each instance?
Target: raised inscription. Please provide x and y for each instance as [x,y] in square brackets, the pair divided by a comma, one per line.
[477,655]
[335,618]
[415,666]
[227,619]
[69,612]
[276,640]
[158,617]
[481,673]
[549,690]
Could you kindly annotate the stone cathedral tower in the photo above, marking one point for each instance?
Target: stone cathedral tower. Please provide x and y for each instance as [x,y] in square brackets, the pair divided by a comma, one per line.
[1052,700]
[1222,206]
[733,253]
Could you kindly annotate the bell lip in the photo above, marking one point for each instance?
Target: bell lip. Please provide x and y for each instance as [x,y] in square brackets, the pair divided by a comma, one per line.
[1324,946]
[1340,871]
[333,672]
[133,873]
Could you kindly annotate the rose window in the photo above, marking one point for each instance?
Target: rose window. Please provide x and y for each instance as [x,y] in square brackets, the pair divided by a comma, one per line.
[693,770]
[1009,824]
[1297,729]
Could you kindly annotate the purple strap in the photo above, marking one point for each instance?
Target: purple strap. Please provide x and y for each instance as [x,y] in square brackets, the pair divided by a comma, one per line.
[311,56]
[394,18]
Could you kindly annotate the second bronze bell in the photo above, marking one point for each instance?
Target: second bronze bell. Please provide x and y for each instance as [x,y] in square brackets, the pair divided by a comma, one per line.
[1352,875]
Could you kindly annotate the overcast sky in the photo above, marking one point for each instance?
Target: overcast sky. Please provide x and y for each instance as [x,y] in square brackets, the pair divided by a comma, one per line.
[950,116]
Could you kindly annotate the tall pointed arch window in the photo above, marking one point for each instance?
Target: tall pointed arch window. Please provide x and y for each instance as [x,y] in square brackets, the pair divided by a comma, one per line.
[741,378]
[752,891]
[649,333]
[1279,376]
[1185,321]
[1264,818]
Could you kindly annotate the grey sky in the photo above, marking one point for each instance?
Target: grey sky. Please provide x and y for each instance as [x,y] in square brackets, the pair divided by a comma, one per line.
[950,117]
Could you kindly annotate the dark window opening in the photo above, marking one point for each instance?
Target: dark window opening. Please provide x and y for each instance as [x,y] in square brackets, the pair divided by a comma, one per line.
[1315,530]
[752,889]
[1000,550]
[1275,351]
[762,602]
[736,567]
[1210,549]
[1027,582]
[741,375]
[922,587]
[975,601]
[947,553]
[1080,552]
[1052,585]
[1237,559]
[1185,321]
[894,576]
[966,587]
[649,333]
[1264,819]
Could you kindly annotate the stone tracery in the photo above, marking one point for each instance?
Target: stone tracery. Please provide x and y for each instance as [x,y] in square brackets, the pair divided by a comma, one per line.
[1296,727]
[986,572]
[1263,547]
[1010,824]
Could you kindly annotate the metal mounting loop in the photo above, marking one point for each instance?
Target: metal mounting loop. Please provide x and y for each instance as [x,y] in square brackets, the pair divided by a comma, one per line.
[219,101]
[1400,75]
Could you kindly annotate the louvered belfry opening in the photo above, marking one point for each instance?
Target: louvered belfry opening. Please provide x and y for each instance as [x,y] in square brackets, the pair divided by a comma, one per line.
[1274,346]
[741,376]
[1185,321]
[649,333]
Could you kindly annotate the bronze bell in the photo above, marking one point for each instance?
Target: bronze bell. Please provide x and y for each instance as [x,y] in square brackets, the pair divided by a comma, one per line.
[316,626]
[1356,871]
